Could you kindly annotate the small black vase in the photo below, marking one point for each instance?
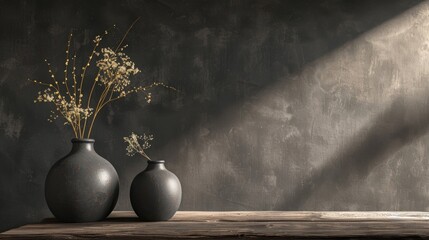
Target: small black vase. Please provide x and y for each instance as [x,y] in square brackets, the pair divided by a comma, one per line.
[155,193]
[82,186]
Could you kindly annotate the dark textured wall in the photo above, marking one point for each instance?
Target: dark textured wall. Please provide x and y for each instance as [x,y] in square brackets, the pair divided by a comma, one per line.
[285,105]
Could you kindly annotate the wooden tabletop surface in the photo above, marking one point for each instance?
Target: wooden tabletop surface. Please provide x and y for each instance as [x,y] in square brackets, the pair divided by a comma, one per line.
[230,225]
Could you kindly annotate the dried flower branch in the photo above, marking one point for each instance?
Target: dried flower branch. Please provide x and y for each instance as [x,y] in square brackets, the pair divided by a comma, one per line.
[134,146]
[114,78]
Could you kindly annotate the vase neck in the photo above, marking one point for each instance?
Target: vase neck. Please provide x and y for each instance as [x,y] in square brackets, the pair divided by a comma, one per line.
[155,165]
[84,144]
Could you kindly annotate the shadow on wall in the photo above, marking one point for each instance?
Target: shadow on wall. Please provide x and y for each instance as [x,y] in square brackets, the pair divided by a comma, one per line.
[228,60]
[249,49]
[399,125]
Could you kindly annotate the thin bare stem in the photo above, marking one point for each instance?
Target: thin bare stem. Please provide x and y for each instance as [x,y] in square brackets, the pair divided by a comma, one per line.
[111,94]
[89,98]
[66,66]
[126,33]
[52,74]
[84,72]
[74,78]
[44,84]
[78,126]
[140,150]
[145,155]
[71,123]
[97,110]
[128,93]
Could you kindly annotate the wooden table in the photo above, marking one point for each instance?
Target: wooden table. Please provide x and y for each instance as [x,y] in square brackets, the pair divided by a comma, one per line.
[230,225]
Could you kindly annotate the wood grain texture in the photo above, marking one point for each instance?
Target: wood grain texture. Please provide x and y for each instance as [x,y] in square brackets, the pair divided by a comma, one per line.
[229,225]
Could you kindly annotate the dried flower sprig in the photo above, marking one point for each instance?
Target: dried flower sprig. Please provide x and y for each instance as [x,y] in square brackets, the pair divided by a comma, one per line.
[115,72]
[134,145]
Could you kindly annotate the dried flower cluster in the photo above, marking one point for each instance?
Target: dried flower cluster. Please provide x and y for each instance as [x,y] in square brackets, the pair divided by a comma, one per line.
[134,146]
[80,109]
[116,69]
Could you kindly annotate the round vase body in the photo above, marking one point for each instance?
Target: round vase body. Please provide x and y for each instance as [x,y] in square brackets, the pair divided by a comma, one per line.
[155,193]
[82,186]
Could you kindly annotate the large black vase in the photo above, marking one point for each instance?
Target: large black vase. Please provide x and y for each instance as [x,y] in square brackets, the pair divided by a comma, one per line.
[155,193]
[82,186]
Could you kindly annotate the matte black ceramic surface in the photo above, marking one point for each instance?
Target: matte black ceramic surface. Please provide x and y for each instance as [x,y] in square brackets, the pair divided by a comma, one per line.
[155,193]
[82,186]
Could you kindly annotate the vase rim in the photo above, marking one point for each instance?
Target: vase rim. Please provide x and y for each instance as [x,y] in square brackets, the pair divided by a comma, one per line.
[155,161]
[82,140]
